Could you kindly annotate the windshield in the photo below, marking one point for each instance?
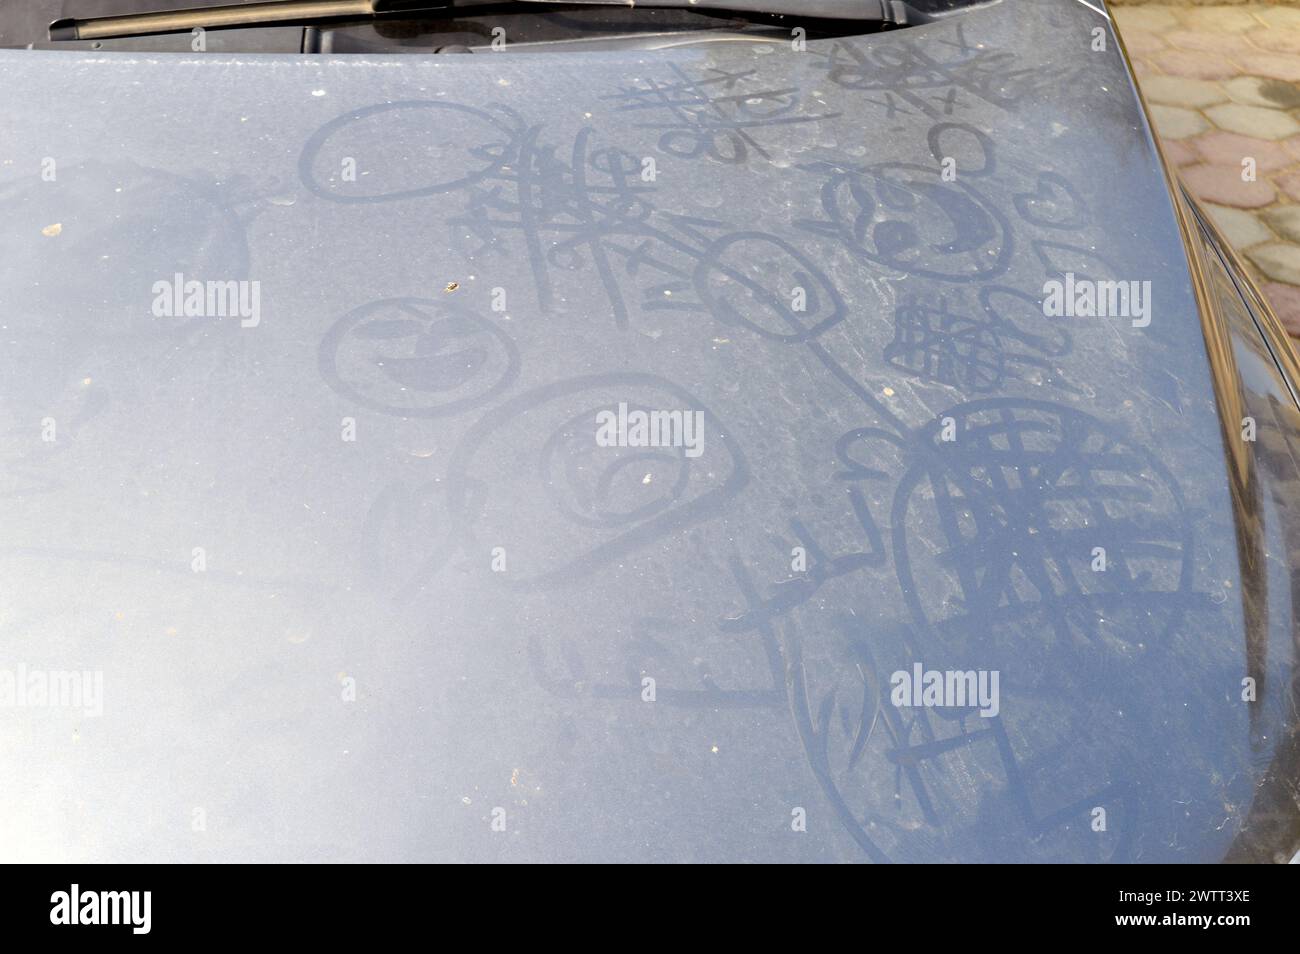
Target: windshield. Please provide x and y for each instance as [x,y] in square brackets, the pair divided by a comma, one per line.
[424,26]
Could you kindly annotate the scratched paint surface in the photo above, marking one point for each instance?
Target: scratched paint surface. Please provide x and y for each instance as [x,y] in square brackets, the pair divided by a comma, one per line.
[371,560]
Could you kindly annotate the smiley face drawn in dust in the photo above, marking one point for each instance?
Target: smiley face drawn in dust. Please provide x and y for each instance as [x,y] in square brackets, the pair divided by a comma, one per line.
[417,357]
[907,217]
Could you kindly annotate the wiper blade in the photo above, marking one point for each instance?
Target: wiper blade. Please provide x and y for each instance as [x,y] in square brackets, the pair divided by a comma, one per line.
[281,12]
[871,11]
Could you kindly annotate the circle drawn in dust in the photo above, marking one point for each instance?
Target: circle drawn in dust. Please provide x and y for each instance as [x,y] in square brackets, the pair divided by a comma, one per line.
[475,491]
[593,490]
[124,226]
[416,357]
[745,279]
[484,139]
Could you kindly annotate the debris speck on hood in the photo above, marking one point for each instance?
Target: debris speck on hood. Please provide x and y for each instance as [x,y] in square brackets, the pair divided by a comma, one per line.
[52,230]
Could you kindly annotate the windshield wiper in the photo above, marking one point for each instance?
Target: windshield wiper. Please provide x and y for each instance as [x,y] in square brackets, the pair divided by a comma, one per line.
[284,12]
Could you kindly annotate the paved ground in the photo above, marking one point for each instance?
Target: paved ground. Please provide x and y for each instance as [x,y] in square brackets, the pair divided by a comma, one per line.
[1223,83]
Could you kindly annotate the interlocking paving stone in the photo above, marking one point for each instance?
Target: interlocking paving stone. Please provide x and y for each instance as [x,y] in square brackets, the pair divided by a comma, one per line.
[1218,19]
[1262,91]
[1150,17]
[1241,229]
[1180,91]
[1179,152]
[1276,40]
[1174,122]
[1225,149]
[1290,184]
[1229,46]
[1284,220]
[1222,184]
[1284,17]
[1200,65]
[1285,300]
[1255,121]
[1140,43]
[1280,261]
[1277,65]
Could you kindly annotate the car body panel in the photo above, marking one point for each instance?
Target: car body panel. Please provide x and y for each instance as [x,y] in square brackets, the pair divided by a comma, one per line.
[392,642]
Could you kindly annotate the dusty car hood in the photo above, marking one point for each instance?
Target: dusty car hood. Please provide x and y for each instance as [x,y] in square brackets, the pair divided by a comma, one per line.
[315,647]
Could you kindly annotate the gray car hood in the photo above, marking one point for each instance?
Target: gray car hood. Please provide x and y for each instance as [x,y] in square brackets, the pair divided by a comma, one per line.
[359,582]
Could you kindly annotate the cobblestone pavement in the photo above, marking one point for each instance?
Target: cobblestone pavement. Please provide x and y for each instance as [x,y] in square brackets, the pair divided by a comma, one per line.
[1223,84]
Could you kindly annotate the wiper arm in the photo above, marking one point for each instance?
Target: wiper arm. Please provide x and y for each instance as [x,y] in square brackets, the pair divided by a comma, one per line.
[311,11]
[231,15]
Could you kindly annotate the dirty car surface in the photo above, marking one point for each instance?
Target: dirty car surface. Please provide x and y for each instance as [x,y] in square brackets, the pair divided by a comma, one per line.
[362,585]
